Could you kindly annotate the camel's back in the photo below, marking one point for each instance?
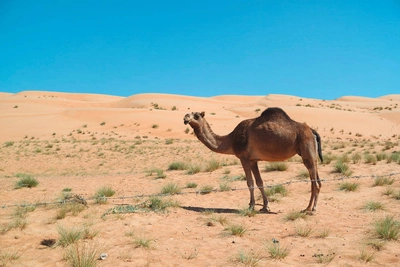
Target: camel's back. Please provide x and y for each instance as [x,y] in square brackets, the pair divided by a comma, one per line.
[275,114]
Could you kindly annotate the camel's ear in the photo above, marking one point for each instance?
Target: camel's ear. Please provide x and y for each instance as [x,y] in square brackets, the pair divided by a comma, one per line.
[202,114]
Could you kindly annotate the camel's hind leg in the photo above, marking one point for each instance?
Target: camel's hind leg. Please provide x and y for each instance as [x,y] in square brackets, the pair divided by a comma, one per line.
[315,184]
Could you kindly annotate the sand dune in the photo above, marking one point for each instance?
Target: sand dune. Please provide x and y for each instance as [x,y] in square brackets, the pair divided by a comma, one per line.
[84,141]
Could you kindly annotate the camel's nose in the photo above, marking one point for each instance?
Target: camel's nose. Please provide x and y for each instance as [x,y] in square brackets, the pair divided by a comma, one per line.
[186,119]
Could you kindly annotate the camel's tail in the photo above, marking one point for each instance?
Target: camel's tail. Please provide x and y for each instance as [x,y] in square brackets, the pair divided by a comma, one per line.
[319,144]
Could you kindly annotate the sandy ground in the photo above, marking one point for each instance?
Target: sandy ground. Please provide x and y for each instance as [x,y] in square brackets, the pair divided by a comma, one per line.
[82,142]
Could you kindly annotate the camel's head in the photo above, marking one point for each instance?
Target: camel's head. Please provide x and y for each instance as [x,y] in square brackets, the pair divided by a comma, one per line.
[193,118]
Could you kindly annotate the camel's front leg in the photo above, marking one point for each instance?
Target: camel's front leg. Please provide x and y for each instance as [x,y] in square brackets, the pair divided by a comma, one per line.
[260,185]
[250,183]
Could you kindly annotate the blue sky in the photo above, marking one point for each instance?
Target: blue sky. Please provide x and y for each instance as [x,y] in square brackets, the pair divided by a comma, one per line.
[318,49]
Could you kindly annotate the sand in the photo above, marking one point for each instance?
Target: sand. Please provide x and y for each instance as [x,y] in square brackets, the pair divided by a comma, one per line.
[83,142]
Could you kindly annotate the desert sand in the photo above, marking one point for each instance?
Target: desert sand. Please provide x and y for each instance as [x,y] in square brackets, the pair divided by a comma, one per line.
[74,144]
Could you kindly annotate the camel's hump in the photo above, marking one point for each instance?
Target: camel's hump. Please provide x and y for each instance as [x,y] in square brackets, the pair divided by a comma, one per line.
[274,112]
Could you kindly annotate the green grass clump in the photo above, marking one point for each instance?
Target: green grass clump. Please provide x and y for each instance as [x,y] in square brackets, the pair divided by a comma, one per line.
[7,257]
[380,181]
[175,166]
[191,185]
[206,189]
[159,205]
[368,158]
[159,173]
[387,228]
[303,230]
[103,193]
[224,186]
[213,165]
[275,193]
[348,187]
[276,250]
[68,236]
[236,229]
[356,158]
[343,168]
[373,206]
[193,169]
[276,166]
[142,242]
[171,189]
[25,180]
[294,215]
[394,157]
[249,259]
[82,255]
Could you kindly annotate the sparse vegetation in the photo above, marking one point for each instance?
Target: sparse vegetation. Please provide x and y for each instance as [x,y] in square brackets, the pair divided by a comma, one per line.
[250,259]
[294,215]
[381,181]
[102,194]
[348,187]
[81,254]
[236,229]
[277,251]
[276,166]
[387,228]
[373,206]
[25,180]
[171,189]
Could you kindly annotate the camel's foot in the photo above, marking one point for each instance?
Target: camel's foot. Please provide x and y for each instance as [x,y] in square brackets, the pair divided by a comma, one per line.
[265,209]
[307,211]
[251,207]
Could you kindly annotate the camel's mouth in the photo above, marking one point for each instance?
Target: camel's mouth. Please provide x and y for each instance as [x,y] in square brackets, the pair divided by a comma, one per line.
[186,119]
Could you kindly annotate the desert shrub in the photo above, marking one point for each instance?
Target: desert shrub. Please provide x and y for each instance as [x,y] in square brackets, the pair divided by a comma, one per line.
[368,158]
[143,242]
[356,158]
[160,205]
[191,185]
[249,259]
[174,166]
[276,166]
[276,250]
[102,194]
[303,230]
[373,206]
[82,255]
[171,189]
[159,173]
[206,189]
[224,186]
[381,180]
[343,168]
[381,156]
[193,169]
[69,236]
[294,215]
[276,189]
[348,187]
[25,180]
[387,228]
[212,165]
[394,157]
[236,229]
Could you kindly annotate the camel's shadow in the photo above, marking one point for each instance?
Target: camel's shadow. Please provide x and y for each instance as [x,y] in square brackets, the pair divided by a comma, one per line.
[219,210]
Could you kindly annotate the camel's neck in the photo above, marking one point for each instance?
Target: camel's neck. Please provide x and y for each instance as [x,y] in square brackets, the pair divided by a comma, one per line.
[219,144]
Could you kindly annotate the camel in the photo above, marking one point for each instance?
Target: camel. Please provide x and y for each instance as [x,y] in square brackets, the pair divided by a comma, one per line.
[273,136]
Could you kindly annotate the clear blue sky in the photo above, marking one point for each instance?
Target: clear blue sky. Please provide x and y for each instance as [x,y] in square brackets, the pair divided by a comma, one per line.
[319,49]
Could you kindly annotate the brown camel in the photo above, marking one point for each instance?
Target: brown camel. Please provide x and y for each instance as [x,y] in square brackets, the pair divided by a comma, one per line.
[273,136]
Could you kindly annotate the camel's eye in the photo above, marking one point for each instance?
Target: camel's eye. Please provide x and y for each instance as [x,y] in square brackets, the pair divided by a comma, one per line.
[196,116]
